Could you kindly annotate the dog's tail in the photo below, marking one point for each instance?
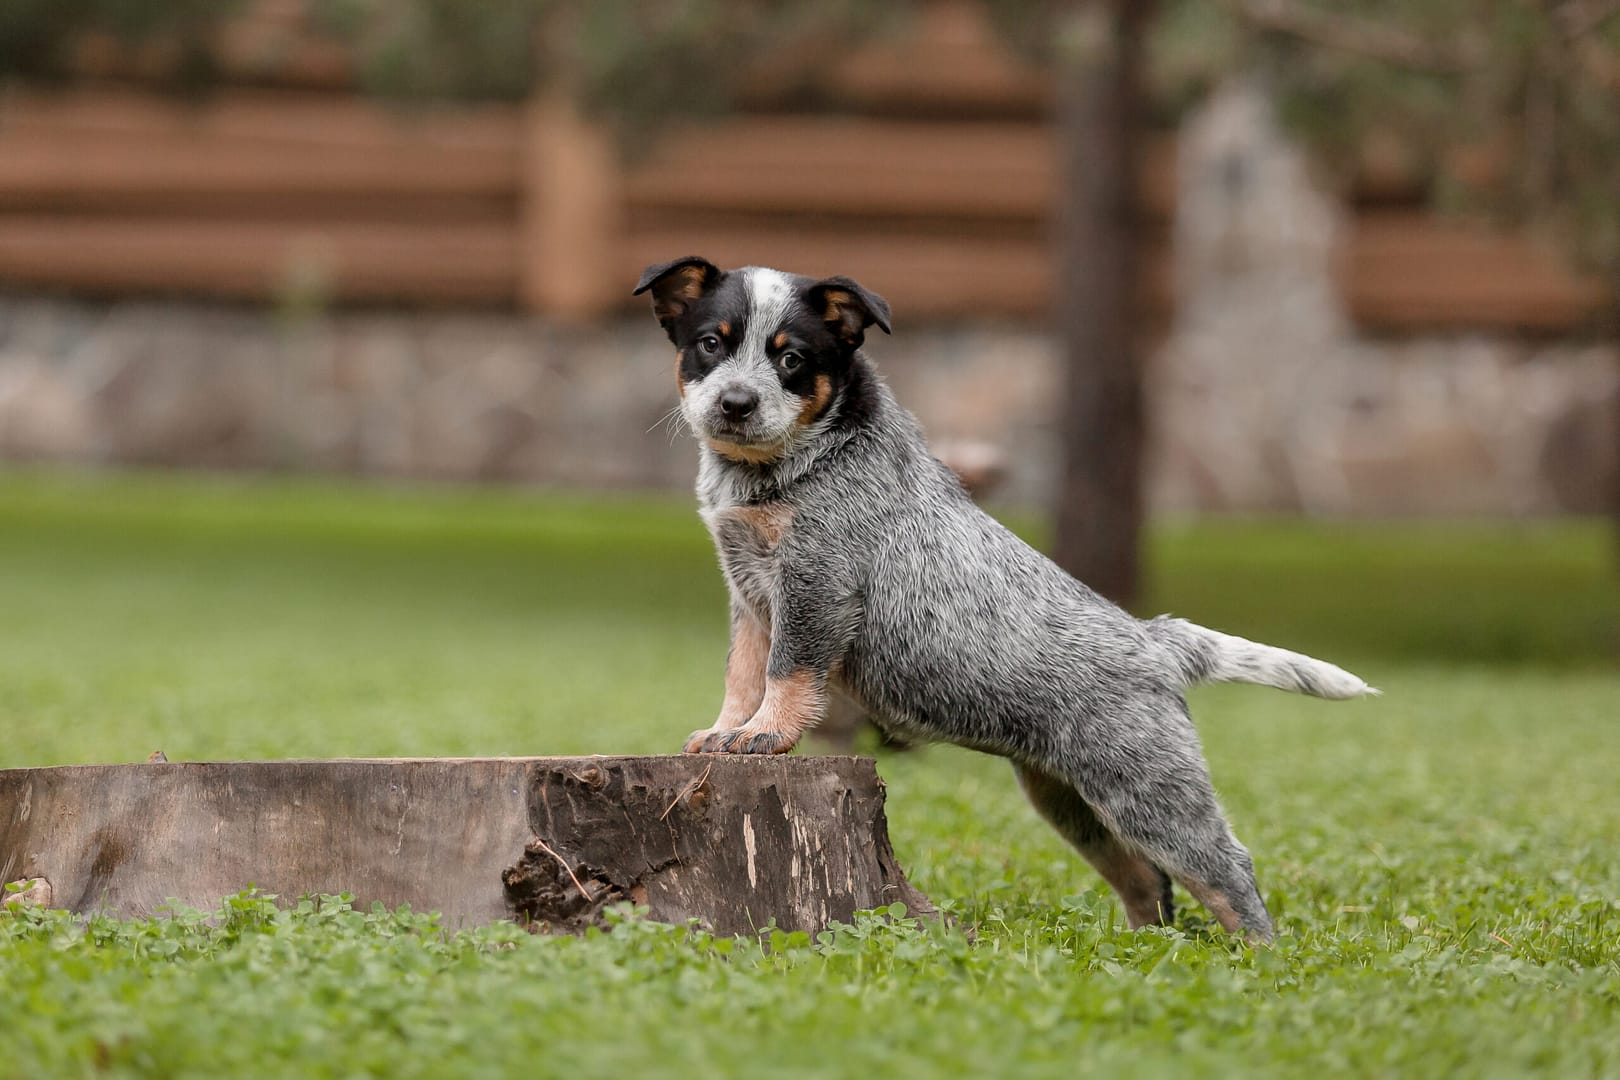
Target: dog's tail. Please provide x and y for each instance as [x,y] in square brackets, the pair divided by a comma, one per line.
[1208,656]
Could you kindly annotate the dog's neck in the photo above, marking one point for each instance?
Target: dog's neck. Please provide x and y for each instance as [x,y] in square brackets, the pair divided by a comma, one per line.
[727,481]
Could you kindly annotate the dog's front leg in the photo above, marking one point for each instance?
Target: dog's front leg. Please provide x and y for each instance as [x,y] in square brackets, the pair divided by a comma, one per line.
[745,676]
[809,631]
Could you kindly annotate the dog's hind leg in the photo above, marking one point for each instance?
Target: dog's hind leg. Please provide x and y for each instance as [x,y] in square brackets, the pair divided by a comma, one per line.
[1163,805]
[1142,887]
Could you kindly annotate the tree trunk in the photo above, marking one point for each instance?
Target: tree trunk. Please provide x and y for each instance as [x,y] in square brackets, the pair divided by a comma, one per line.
[1612,326]
[733,842]
[1099,509]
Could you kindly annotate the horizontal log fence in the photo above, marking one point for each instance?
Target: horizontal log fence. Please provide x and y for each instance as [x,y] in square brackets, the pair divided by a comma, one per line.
[254,193]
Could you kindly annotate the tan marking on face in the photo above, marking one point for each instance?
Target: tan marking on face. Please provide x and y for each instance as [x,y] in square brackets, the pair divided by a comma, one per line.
[724,329]
[792,705]
[780,340]
[817,402]
[745,671]
[754,455]
[770,521]
[680,383]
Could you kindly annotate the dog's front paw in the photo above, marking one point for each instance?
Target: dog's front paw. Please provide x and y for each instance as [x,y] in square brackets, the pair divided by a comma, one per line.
[699,741]
[754,741]
[742,740]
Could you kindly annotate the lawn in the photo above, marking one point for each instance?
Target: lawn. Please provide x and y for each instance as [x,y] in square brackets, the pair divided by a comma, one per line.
[1442,861]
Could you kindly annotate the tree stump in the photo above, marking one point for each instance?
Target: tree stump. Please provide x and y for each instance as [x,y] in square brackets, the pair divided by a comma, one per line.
[733,842]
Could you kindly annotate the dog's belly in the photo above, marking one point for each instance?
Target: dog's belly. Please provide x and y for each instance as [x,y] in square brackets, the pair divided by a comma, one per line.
[947,680]
[969,635]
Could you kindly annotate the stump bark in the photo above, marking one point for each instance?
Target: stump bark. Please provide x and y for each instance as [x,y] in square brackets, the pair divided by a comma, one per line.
[733,842]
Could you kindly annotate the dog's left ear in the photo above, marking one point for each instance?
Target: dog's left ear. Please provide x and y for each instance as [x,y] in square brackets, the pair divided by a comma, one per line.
[676,285]
[849,308]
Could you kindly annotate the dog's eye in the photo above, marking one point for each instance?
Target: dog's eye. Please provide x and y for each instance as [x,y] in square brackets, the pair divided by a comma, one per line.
[790,361]
[710,344]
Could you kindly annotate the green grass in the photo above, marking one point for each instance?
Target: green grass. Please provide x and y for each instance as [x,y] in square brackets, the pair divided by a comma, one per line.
[1442,861]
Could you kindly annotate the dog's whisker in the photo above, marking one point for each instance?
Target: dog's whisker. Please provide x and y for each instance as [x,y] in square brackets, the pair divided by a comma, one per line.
[673,422]
[662,420]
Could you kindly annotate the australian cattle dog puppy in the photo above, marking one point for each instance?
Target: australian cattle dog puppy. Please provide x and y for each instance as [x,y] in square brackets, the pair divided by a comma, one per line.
[856,560]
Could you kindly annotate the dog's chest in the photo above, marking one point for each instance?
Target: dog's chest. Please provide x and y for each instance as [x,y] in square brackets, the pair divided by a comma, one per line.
[749,539]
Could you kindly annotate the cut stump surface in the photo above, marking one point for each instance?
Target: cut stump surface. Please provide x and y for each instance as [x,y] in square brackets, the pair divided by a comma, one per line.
[733,842]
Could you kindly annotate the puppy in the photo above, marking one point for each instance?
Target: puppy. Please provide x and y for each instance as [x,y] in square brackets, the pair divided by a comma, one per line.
[855,559]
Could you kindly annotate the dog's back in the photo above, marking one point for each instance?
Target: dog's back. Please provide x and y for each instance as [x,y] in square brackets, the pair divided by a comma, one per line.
[969,634]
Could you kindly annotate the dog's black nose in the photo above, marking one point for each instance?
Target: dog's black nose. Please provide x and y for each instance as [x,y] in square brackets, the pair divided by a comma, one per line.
[738,404]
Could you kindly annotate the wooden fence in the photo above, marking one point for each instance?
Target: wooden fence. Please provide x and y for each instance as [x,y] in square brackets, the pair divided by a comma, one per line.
[265,192]
[250,193]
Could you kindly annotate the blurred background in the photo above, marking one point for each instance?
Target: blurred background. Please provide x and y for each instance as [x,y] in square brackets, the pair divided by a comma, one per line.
[1290,315]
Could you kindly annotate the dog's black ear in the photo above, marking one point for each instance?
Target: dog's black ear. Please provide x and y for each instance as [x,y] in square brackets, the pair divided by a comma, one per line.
[849,308]
[676,285]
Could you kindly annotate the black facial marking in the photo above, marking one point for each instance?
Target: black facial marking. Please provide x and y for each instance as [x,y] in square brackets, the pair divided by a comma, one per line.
[711,328]
[811,358]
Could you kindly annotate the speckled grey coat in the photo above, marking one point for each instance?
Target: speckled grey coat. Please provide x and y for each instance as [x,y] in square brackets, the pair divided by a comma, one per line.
[855,558]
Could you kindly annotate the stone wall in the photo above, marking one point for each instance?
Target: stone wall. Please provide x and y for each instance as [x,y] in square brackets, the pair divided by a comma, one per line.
[1264,398]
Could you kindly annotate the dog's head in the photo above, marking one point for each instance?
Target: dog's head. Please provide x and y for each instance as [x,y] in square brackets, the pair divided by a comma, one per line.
[760,356]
